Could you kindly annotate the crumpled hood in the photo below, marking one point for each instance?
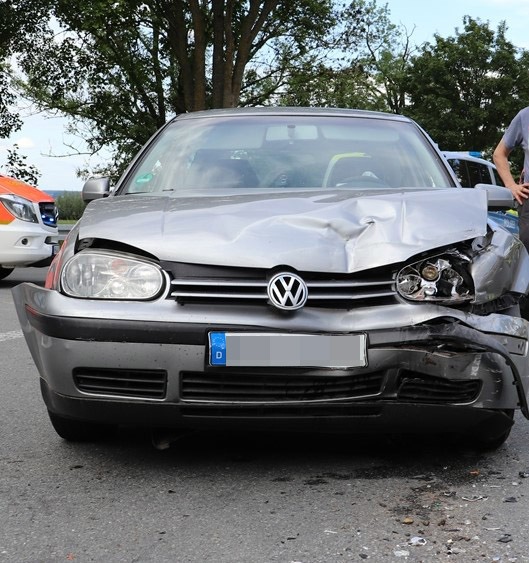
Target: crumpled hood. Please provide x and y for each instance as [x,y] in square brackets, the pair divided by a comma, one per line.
[339,231]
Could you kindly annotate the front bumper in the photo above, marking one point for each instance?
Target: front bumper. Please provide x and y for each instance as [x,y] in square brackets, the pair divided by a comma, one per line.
[465,362]
[27,244]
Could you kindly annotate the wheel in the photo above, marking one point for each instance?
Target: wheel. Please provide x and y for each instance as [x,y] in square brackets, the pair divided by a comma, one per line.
[4,272]
[80,430]
[288,178]
[487,441]
[524,307]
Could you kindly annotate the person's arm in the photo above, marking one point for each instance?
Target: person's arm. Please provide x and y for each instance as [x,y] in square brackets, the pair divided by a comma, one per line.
[501,159]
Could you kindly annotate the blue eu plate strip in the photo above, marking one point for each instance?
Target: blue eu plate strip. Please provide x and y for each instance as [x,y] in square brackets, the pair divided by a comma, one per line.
[217,348]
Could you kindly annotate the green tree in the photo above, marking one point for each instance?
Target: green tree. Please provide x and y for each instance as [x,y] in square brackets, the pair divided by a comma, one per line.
[464,90]
[18,20]
[121,68]
[369,70]
[17,167]
[9,120]
[387,59]
[324,86]
[70,205]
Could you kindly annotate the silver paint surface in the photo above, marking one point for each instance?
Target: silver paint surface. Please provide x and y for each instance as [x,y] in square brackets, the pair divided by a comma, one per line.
[327,231]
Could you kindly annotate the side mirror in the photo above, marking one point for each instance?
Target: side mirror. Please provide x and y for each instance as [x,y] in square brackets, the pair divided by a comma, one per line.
[95,188]
[499,198]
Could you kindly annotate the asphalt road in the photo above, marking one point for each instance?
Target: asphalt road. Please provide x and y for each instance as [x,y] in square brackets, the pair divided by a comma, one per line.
[246,499]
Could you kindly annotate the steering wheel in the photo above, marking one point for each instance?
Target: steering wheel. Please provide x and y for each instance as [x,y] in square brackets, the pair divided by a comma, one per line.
[363,182]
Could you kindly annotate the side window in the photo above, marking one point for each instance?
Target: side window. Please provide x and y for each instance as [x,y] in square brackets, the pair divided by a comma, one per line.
[460,169]
[497,179]
[478,174]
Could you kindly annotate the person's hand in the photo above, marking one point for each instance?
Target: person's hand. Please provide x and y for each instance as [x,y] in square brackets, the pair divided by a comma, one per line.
[520,192]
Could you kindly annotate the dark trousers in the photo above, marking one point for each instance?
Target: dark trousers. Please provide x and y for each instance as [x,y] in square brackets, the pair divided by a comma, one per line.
[523,222]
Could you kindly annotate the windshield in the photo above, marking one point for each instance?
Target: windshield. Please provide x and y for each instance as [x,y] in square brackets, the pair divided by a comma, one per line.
[287,151]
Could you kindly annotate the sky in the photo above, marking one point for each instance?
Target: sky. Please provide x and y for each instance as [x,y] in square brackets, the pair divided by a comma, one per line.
[45,142]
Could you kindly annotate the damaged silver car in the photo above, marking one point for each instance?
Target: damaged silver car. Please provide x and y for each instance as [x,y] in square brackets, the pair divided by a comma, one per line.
[290,269]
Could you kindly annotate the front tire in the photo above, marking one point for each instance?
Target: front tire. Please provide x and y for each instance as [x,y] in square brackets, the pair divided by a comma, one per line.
[487,441]
[80,430]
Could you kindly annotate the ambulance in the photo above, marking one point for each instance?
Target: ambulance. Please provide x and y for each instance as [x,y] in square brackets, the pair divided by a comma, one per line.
[28,226]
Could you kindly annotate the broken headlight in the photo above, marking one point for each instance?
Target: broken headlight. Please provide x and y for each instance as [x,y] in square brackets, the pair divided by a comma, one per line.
[444,278]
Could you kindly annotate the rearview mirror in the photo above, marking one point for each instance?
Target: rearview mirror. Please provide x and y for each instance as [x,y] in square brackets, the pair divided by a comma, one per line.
[96,188]
[499,198]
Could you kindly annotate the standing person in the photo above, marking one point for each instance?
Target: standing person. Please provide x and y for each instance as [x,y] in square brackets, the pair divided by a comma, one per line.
[516,135]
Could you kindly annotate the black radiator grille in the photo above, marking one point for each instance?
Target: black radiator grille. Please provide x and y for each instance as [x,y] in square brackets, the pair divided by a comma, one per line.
[147,384]
[49,213]
[249,286]
[273,388]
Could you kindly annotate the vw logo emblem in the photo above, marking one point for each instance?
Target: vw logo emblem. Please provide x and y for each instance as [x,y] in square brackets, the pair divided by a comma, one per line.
[287,291]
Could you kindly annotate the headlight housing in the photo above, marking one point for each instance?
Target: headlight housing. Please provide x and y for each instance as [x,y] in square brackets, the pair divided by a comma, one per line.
[441,278]
[103,275]
[19,207]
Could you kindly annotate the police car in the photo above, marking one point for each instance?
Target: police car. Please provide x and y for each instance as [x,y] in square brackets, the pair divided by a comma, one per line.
[470,170]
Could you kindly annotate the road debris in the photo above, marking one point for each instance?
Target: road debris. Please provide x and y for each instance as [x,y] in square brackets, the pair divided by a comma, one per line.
[474,498]
[417,540]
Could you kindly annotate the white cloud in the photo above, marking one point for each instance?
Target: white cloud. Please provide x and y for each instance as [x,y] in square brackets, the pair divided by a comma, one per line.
[24,143]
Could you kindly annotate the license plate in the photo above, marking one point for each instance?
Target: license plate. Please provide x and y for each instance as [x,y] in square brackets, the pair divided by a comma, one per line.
[243,349]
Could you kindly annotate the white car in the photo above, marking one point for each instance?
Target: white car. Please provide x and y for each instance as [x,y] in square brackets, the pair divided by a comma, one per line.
[470,170]
[28,226]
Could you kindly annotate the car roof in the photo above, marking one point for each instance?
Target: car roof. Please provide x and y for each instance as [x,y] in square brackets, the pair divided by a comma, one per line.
[461,155]
[294,111]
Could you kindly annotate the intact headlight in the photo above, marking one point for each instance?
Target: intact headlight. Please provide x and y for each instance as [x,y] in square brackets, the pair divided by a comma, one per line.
[20,207]
[98,275]
[444,277]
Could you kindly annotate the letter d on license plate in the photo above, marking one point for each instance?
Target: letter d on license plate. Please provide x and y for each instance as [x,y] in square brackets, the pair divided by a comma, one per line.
[217,348]
[239,349]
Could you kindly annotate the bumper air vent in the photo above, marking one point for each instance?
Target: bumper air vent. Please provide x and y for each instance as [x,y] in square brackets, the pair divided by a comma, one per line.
[246,388]
[420,388]
[144,384]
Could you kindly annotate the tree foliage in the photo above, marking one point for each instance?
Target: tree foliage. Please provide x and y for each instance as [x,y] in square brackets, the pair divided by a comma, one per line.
[348,78]
[9,119]
[121,68]
[70,205]
[388,54]
[18,20]
[464,90]
[18,167]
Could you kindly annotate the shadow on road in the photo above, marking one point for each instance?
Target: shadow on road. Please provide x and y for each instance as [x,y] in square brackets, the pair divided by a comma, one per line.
[331,457]
[20,275]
